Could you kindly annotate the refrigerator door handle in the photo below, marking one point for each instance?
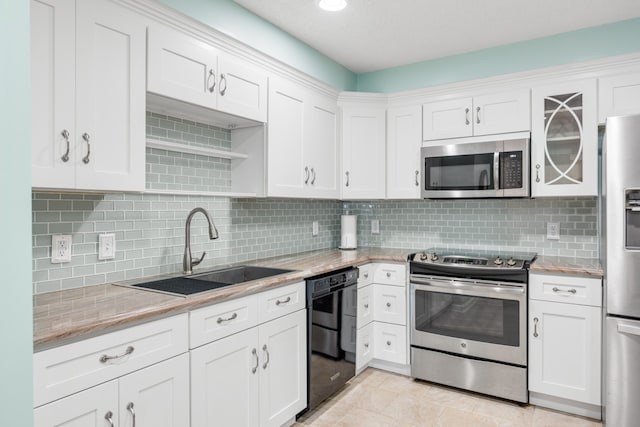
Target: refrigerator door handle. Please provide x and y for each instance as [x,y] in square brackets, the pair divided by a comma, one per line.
[628,329]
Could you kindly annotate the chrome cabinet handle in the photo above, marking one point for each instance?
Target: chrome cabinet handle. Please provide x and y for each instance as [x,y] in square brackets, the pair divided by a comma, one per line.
[347,173]
[223,78]
[466,116]
[109,417]
[133,413]
[388,274]
[264,348]
[366,274]
[417,181]
[571,291]
[535,327]
[306,174]
[388,304]
[278,302]
[478,115]
[388,342]
[313,180]
[366,345]
[255,368]
[65,135]
[228,319]
[105,358]
[366,306]
[86,138]
[537,173]
[209,78]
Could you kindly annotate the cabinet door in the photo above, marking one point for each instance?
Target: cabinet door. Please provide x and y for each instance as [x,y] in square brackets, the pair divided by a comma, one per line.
[618,96]
[564,145]
[502,112]
[156,396]
[364,346]
[363,153]
[182,67]
[90,408]
[224,381]
[286,132]
[321,147]
[53,93]
[564,350]
[283,367]
[110,113]
[365,306]
[403,152]
[242,89]
[447,119]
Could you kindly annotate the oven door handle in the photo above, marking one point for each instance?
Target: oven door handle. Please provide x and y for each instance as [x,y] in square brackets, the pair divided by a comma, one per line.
[486,288]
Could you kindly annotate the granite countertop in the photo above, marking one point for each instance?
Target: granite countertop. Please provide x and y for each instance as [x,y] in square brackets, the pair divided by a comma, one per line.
[64,316]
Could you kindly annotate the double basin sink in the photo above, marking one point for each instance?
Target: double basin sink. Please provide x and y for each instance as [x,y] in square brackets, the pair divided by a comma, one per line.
[216,279]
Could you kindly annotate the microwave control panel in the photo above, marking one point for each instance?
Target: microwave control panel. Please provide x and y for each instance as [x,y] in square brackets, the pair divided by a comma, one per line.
[511,169]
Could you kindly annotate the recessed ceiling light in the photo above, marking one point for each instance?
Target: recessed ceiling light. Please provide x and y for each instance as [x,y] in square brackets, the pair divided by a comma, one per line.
[332,5]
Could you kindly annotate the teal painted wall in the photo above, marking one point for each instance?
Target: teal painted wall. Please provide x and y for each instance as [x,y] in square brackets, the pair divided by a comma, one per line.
[243,25]
[582,45]
[16,324]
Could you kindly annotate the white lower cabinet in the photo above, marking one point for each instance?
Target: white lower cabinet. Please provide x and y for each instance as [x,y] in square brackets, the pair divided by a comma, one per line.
[156,396]
[256,377]
[565,330]
[382,317]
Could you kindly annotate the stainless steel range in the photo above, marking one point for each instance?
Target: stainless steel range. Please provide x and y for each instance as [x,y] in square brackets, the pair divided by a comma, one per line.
[469,320]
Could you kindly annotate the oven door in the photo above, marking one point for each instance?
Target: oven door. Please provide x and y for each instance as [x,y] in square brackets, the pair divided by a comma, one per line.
[486,320]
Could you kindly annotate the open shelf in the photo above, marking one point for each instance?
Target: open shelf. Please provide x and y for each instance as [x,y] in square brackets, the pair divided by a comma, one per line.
[194,149]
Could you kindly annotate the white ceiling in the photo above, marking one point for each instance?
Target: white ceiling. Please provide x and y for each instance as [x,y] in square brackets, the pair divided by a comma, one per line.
[371,35]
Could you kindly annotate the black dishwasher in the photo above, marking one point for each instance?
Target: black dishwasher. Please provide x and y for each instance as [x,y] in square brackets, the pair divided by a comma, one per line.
[331,334]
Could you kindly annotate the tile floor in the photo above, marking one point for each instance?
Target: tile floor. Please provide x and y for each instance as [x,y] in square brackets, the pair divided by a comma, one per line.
[378,399]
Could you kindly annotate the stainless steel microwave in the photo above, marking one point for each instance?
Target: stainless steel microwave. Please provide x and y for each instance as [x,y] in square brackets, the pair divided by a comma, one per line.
[477,167]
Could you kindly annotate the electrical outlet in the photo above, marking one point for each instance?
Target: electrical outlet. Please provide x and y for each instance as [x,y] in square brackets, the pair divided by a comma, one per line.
[106,246]
[314,226]
[60,248]
[553,231]
[375,226]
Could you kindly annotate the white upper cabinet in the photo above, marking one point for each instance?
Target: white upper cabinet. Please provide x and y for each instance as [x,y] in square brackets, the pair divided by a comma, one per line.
[502,112]
[302,142]
[88,97]
[403,152]
[188,69]
[363,152]
[618,96]
[564,140]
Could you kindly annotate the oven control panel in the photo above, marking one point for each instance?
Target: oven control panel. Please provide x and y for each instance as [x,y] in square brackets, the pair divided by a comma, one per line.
[463,261]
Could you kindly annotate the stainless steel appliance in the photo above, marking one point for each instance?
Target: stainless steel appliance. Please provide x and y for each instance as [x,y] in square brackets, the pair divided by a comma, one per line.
[331,303]
[620,254]
[477,167]
[469,320]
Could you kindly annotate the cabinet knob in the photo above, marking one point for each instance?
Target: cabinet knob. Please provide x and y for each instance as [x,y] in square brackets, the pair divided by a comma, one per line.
[388,274]
[388,342]
[366,306]
[366,274]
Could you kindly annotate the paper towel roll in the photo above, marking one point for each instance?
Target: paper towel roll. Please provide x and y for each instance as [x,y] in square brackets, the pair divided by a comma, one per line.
[349,238]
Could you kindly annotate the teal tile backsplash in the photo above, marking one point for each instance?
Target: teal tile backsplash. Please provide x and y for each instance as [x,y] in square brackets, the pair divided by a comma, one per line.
[149,228]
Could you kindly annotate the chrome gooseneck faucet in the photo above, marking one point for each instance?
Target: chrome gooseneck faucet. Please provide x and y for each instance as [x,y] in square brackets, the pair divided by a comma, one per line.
[187,262]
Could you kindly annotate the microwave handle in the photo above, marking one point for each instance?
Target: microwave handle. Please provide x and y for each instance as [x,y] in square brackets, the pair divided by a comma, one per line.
[496,170]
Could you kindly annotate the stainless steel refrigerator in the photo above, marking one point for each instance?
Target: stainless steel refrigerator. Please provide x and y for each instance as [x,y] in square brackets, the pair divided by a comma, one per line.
[620,253]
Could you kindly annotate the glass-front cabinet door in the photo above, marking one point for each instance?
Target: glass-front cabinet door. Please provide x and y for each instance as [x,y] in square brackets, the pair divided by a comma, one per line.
[564,140]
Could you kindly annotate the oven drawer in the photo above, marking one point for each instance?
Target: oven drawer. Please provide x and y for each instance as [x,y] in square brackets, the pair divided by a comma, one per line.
[67,369]
[280,301]
[390,274]
[389,304]
[566,289]
[223,319]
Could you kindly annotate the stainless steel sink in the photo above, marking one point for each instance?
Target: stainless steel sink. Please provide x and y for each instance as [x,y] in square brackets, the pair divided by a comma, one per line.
[239,274]
[202,282]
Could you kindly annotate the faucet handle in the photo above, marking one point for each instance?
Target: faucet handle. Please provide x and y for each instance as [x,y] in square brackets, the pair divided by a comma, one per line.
[198,261]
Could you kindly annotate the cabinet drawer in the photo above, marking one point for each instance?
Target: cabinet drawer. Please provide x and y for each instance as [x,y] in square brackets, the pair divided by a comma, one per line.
[567,289]
[365,306]
[220,320]
[365,276]
[280,301]
[390,342]
[64,370]
[389,304]
[390,274]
